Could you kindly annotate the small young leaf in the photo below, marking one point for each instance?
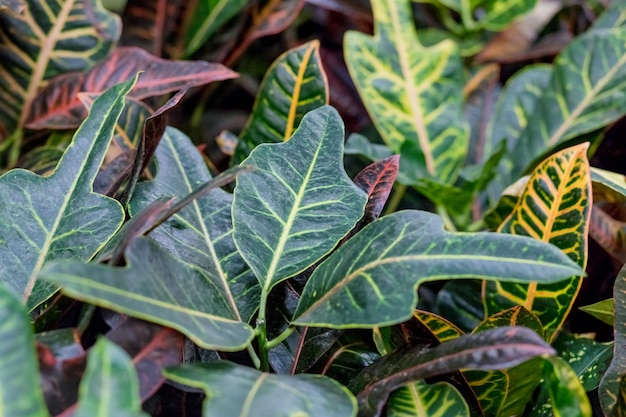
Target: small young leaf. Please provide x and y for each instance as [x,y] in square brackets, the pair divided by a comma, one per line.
[20,392]
[110,387]
[366,282]
[59,216]
[411,92]
[294,85]
[299,203]
[236,391]
[603,310]
[499,348]
[155,286]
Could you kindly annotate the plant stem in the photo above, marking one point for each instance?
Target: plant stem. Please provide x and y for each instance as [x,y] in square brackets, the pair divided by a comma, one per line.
[255,358]
[261,330]
[281,337]
[396,198]
[466,15]
[447,220]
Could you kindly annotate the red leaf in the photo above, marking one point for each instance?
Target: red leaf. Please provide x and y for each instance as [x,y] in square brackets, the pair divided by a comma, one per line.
[58,107]
[377,181]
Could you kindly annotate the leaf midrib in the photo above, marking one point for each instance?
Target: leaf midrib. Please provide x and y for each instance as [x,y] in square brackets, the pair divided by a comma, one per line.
[295,98]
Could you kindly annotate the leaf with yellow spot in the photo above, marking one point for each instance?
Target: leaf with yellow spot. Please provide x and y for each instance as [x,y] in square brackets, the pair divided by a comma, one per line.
[412,92]
[554,207]
[293,85]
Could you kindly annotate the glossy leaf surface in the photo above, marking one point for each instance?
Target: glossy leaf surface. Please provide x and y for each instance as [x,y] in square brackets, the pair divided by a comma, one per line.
[20,394]
[293,85]
[292,210]
[490,350]
[554,207]
[238,391]
[154,286]
[411,92]
[201,233]
[588,358]
[110,387]
[47,38]
[365,282]
[59,216]
[567,396]
[422,399]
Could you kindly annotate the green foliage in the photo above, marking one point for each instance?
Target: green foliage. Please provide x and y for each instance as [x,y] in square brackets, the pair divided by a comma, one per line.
[292,292]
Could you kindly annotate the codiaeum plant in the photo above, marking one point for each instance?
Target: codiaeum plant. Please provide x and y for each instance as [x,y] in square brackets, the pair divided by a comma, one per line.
[134,282]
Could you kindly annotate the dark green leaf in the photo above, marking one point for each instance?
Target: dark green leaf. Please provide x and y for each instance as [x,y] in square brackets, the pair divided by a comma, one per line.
[422,399]
[207,18]
[588,358]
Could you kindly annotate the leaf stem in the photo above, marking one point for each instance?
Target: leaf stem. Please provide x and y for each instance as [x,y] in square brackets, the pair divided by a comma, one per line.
[466,15]
[255,358]
[281,337]
[447,220]
[261,331]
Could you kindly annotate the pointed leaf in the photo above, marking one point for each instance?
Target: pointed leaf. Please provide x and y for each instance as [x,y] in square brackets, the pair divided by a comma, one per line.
[581,97]
[238,391]
[566,394]
[201,233]
[294,85]
[441,329]
[554,207]
[154,286]
[58,107]
[207,18]
[422,399]
[602,310]
[299,203]
[377,180]
[110,387]
[20,394]
[609,386]
[608,232]
[411,92]
[499,348]
[365,282]
[47,38]
[59,216]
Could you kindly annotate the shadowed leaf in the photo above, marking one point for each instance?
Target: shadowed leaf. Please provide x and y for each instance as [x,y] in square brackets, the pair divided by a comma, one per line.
[59,216]
[207,18]
[420,398]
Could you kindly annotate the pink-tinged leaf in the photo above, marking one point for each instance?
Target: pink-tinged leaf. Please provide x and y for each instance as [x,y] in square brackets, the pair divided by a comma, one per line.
[377,180]
[609,232]
[58,107]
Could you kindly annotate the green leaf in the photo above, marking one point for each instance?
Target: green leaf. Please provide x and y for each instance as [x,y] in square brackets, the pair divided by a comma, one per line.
[609,386]
[238,391]
[156,287]
[201,233]
[110,387]
[299,203]
[494,16]
[614,16]
[207,18]
[48,38]
[499,348]
[566,394]
[59,216]
[293,85]
[411,92]
[602,310]
[584,95]
[588,358]
[608,186]
[620,406]
[371,279]
[20,392]
[422,399]
[461,302]
[554,207]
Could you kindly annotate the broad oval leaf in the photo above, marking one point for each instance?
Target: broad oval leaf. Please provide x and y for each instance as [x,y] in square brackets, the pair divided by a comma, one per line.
[59,216]
[201,233]
[294,84]
[498,348]
[411,92]
[422,399]
[554,207]
[239,391]
[370,280]
[110,387]
[157,287]
[20,394]
[294,208]
[47,38]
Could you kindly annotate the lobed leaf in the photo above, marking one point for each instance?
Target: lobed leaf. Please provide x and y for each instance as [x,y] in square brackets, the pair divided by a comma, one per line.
[294,208]
[20,393]
[155,286]
[110,387]
[554,207]
[411,92]
[294,84]
[201,234]
[44,39]
[365,282]
[237,391]
[59,216]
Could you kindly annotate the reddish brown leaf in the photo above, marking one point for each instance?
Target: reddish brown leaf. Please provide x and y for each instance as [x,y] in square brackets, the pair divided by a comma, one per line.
[58,107]
[377,181]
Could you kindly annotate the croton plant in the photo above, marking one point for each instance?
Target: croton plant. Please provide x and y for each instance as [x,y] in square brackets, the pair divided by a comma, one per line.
[189,227]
